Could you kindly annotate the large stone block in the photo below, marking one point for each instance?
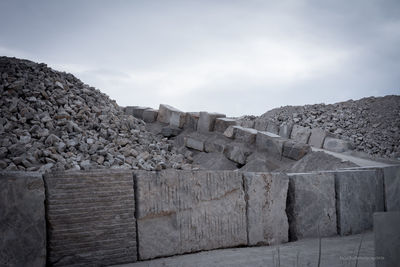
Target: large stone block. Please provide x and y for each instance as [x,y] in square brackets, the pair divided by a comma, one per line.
[272,127]
[150,115]
[191,120]
[91,218]
[184,211]
[294,150]
[221,124]
[261,124]
[215,144]
[285,130]
[300,134]
[387,239]
[359,194]
[195,142]
[177,119]
[137,111]
[207,121]
[237,152]
[311,205]
[336,145]
[270,143]
[317,137]
[246,135]
[392,187]
[266,202]
[165,112]
[22,219]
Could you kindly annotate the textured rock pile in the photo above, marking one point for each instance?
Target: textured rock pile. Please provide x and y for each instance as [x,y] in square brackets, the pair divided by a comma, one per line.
[52,121]
[371,124]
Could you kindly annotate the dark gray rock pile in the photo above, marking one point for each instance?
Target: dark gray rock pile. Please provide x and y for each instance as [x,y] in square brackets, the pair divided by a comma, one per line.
[52,121]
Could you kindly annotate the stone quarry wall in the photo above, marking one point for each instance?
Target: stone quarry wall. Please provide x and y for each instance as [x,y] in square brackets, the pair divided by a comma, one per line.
[109,217]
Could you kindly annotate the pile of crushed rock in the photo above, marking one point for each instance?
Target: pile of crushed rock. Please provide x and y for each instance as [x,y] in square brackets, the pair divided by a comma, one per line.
[50,120]
[371,124]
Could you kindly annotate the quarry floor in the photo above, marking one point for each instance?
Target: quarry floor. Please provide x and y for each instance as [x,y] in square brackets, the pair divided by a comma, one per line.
[340,251]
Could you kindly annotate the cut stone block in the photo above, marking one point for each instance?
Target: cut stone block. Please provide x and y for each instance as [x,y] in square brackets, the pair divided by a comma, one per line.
[358,195]
[177,119]
[229,132]
[138,112]
[207,121]
[237,153]
[215,144]
[270,143]
[91,218]
[285,130]
[387,238]
[129,110]
[266,217]
[195,143]
[294,150]
[392,187]
[184,211]
[272,127]
[246,135]
[317,137]
[300,134]
[336,145]
[260,124]
[247,123]
[165,112]
[22,219]
[311,205]
[150,115]
[221,124]
[191,120]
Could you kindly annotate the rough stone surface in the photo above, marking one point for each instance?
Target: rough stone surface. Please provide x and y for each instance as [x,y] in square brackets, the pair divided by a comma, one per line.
[272,128]
[294,150]
[270,143]
[91,217]
[137,112]
[207,121]
[215,143]
[359,194]
[317,137]
[266,217]
[260,125]
[170,131]
[245,135]
[336,145]
[213,161]
[195,143]
[237,152]
[22,219]
[177,119]
[191,120]
[387,238]
[185,211]
[285,129]
[300,134]
[229,132]
[221,124]
[311,205]
[392,187]
[150,115]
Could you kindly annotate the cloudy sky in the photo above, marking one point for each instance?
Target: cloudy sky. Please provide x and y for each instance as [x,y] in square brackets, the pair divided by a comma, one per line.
[235,57]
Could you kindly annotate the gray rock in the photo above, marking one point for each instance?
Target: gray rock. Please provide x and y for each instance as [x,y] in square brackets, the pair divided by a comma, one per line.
[270,143]
[387,238]
[336,145]
[170,131]
[392,187]
[294,150]
[246,135]
[266,203]
[150,115]
[165,112]
[22,219]
[317,137]
[260,125]
[195,143]
[207,121]
[237,152]
[300,134]
[177,118]
[272,128]
[229,132]
[285,129]
[221,124]
[191,120]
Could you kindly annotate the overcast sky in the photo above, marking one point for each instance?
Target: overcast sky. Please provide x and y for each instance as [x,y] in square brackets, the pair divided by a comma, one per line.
[235,57]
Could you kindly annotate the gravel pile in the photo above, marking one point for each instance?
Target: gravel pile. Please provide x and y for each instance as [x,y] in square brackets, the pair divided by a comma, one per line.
[371,124]
[52,121]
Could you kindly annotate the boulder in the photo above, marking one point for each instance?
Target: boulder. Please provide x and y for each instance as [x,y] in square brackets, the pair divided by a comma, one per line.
[150,115]
[272,127]
[285,130]
[165,112]
[191,120]
[317,137]
[300,134]
[270,143]
[245,135]
[260,125]
[177,119]
[194,143]
[221,124]
[207,121]
[294,150]
[237,152]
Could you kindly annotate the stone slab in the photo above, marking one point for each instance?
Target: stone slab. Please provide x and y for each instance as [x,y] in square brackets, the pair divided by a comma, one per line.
[294,150]
[22,219]
[91,217]
[359,194]
[266,217]
[272,127]
[317,137]
[150,115]
[177,119]
[185,211]
[311,205]
[387,238]
[191,120]
[237,152]
[221,124]
[285,129]
[392,187]
[300,134]
[194,143]
[229,132]
[336,145]
[165,112]
[207,121]
[245,135]
[270,143]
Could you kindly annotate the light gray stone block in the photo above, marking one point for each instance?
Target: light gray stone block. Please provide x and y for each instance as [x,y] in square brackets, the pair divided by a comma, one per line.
[387,239]
[336,145]
[177,119]
[285,130]
[317,137]
[272,127]
[300,134]
[260,124]
[229,132]
[294,150]
[359,194]
[247,123]
[270,143]
[215,144]
[191,120]
[221,124]
[207,121]
[165,113]
[237,152]
[195,143]
[266,217]
[22,219]
[392,187]
[150,115]
[246,135]
[129,110]
[312,205]
[184,211]
[138,111]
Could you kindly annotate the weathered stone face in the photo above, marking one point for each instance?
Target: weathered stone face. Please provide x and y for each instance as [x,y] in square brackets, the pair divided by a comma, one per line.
[285,130]
[191,120]
[294,150]
[245,135]
[150,115]
[317,137]
[387,236]
[207,121]
[270,143]
[300,134]
[91,217]
[392,187]
[336,145]
[221,124]
[311,205]
[22,219]
[177,119]
[359,194]
[183,211]
[266,216]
